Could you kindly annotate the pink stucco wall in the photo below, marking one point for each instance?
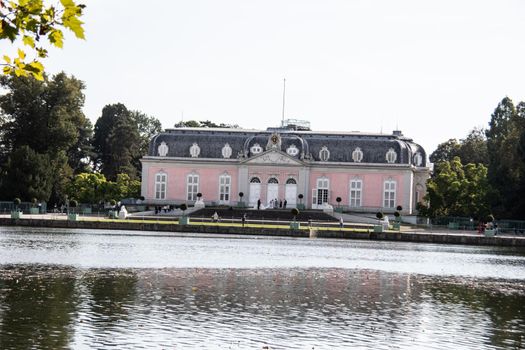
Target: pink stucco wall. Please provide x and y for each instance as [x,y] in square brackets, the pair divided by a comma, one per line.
[372,191]
[208,181]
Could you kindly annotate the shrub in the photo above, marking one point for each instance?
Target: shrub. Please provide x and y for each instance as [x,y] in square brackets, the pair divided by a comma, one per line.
[34,201]
[300,196]
[183,207]
[112,202]
[399,208]
[294,211]
[379,215]
[17,202]
[241,194]
[490,218]
[73,203]
[338,199]
[199,195]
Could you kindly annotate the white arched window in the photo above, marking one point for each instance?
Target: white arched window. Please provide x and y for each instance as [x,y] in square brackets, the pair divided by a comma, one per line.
[226,151]
[192,187]
[273,180]
[161,182]
[357,155]
[391,156]
[389,194]
[356,191]
[195,150]
[324,154]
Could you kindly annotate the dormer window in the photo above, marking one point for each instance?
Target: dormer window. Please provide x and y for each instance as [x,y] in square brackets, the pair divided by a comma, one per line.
[418,159]
[292,150]
[324,154]
[226,151]
[195,150]
[256,149]
[357,155]
[391,156]
[163,149]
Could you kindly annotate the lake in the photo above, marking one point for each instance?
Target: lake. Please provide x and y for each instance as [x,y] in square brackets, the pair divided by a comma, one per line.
[81,289]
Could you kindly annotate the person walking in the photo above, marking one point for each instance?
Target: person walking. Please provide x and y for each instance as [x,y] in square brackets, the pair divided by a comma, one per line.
[341,222]
[243,219]
[259,204]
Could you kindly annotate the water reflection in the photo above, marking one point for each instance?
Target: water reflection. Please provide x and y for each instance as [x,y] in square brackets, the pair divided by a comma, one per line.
[50,307]
[37,307]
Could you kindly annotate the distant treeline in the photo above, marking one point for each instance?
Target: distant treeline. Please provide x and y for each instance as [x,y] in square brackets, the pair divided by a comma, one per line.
[484,173]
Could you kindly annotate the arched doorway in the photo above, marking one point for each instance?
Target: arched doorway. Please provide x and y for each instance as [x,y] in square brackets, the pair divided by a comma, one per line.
[255,191]
[272,192]
[290,193]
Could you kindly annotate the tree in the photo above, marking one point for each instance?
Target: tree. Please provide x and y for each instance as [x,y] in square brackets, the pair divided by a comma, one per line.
[116,142]
[473,149]
[147,127]
[445,151]
[204,124]
[27,175]
[121,138]
[45,115]
[32,21]
[458,190]
[506,168]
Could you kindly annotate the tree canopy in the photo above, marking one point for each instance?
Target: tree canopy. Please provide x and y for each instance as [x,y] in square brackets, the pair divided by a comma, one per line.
[43,122]
[204,124]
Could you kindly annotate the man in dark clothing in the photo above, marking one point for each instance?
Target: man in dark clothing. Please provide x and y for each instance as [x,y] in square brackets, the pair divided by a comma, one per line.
[258,204]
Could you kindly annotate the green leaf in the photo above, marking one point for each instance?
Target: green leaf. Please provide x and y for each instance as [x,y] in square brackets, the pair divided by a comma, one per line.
[29,41]
[56,38]
[74,24]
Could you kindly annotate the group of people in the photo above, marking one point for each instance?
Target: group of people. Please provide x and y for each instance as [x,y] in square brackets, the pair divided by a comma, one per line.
[274,204]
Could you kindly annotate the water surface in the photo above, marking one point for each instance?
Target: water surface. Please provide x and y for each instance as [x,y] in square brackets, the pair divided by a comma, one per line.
[62,289]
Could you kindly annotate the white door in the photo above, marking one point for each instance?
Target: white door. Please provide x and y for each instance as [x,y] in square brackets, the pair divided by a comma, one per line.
[255,194]
[272,193]
[290,195]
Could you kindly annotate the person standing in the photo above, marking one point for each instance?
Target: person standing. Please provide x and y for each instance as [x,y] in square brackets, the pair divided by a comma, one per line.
[341,222]
[259,204]
[284,204]
[243,219]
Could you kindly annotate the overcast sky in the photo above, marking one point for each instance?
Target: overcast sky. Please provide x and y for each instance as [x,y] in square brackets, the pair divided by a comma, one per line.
[435,69]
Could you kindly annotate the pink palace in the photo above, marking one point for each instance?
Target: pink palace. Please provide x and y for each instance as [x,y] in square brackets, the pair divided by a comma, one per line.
[368,172]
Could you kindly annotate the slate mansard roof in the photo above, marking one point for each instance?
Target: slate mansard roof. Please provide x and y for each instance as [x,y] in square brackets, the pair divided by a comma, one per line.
[340,145]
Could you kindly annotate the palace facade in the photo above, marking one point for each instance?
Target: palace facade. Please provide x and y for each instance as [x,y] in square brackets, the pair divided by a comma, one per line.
[368,172]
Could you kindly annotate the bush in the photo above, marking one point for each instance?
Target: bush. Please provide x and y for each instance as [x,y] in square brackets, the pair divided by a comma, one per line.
[294,211]
[199,195]
[17,201]
[490,218]
[338,199]
[399,208]
[73,203]
[183,207]
[379,215]
[34,201]
[241,194]
[300,196]
[112,202]
[142,198]
[396,214]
